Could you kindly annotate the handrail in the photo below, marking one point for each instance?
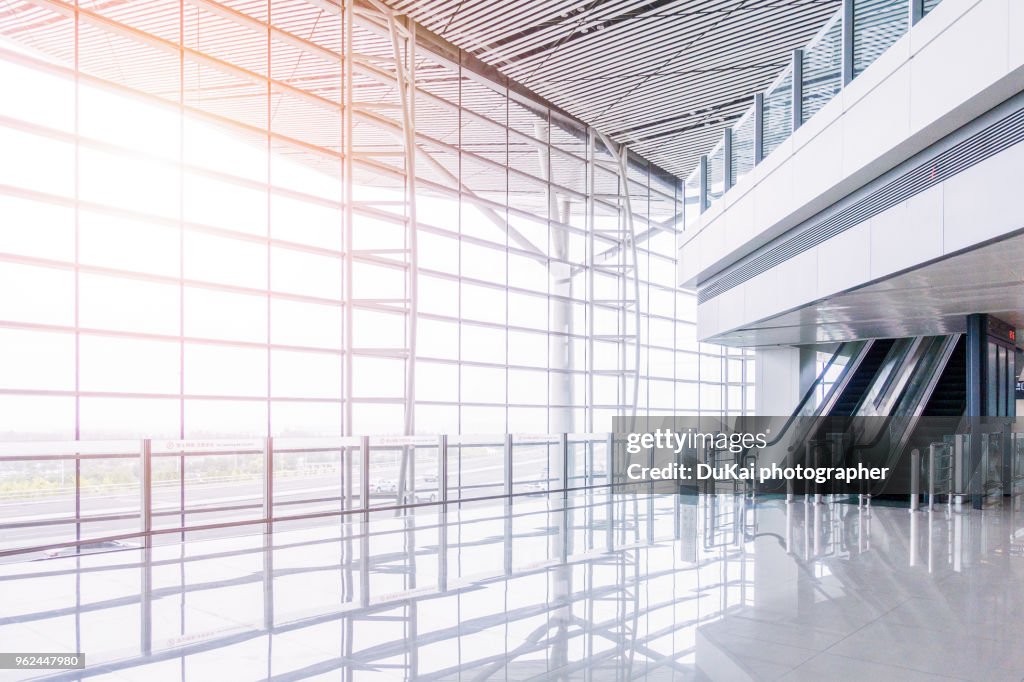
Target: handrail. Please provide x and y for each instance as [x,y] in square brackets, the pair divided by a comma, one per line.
[818,71]
[837,387]
[856,351]
[354,466]
[897,396]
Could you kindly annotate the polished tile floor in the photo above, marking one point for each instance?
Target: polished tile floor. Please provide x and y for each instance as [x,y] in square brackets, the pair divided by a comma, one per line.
[593,587]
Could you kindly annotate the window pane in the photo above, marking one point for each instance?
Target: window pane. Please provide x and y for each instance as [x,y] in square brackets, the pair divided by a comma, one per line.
[36,163]
[295,323]
[36,360]
[225,418]
[216,314]
[128,365]
[125,244]
[295,374]
[305,419]
[297,272]
[225,370]
[436,381]
[483,385]
[33,417]
[36,294]
[211,258]
[32,228]
[128,304]
[130,418]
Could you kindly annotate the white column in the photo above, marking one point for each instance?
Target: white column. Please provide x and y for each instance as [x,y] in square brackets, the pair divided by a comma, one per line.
[777,381]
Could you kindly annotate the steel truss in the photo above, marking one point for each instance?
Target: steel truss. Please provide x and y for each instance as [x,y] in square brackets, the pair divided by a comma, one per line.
[398,70]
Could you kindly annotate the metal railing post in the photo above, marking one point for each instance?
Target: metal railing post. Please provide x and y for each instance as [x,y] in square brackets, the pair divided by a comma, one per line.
[847,42]
[916,11]
[808,462]
[704,457]
[819,497]
[346,475]
[442,470]
[268,482]
[798,88]
[915,480]
[951,459]
[758,128]
[507,467]
[442,526]
[146,601]
[703,183]
[364,481]
[609,460]
[957,475]
[146,492]
[931,477]
[609,509]
[727,160]
[563,446]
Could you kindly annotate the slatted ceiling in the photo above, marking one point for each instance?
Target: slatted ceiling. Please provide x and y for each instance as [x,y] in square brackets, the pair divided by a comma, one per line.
[159,18]
[665,77]
[600,76]
[49,33]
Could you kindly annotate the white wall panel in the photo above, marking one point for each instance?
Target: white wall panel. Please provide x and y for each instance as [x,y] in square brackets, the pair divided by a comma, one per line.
[845,260]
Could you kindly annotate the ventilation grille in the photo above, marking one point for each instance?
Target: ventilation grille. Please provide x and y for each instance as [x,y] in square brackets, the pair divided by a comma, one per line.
[987,142]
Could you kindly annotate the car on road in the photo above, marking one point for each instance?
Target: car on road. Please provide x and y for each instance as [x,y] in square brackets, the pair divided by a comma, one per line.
[385,485]
[90,548]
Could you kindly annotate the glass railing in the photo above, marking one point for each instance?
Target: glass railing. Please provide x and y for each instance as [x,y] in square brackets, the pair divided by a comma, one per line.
[822,67]
[56,496]
[777,113]
[743,139]
[692,205]
[849,42]
[877,24]
[716,172]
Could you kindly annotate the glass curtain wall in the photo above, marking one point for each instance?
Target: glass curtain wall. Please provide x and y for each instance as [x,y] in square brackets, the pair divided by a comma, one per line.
[175,259]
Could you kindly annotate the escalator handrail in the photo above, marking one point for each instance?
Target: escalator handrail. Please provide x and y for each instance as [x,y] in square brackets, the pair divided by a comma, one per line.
[892,414]
[810,393]
[838,385]
[921,401]
[946,349]
[925,395]
[837,389]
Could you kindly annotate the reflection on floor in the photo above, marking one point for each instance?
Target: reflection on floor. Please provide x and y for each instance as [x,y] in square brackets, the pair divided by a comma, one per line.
[593,587]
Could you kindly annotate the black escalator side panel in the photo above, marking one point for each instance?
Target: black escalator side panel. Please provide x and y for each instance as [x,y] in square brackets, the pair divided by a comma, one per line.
[949,399]
[862,379]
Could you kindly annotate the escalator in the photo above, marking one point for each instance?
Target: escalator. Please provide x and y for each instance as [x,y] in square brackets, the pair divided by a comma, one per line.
[918,396]
[855,390]
[948,400]
[890,383]
[851,382]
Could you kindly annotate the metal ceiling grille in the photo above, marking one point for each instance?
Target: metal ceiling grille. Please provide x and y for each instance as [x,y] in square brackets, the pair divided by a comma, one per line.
[665,77]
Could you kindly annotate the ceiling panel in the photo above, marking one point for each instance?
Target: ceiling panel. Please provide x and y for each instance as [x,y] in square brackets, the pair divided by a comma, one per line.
[664,76]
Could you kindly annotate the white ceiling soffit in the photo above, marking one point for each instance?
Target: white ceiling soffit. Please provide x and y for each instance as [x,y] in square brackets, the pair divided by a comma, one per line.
[933,299]
[664,76]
